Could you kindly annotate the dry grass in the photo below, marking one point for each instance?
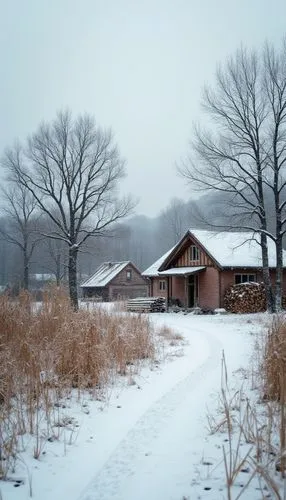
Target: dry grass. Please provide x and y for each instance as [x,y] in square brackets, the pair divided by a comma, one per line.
[274,360]
[261,427]
[47,352]
[169,335]
[274,371]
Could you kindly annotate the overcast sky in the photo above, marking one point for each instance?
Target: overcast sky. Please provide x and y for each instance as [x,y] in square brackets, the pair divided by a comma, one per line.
[137,65]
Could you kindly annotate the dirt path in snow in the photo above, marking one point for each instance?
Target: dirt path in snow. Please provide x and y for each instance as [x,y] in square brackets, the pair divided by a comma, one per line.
[156,459]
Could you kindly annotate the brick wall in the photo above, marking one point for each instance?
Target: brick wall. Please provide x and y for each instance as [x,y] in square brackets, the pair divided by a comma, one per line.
[212,285]
[208,282]
[156,292]
[179,289]
[209,288]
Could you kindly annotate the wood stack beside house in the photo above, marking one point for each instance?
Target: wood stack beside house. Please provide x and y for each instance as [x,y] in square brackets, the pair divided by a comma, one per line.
[147,304]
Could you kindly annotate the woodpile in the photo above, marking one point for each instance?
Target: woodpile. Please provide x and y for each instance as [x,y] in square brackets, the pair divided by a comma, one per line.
[147,304]
[245,298]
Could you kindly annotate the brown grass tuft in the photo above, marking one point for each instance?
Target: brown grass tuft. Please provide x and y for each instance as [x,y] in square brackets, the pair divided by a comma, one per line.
[48,349]
[168,334]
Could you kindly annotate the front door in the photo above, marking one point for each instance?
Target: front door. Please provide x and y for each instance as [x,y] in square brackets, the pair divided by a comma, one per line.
[192,285]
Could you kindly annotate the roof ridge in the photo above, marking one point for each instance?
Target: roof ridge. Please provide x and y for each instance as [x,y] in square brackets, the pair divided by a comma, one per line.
[115,262]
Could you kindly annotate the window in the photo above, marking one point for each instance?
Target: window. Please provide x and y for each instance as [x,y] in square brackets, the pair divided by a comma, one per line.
[194,253]
[128,275]
[162,285]
[244,278]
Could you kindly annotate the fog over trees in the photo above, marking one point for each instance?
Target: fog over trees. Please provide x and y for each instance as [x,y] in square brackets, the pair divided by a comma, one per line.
[62,214]
[140,239]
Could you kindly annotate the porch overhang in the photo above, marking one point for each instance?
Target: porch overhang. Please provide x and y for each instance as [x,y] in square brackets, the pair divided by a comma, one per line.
[182,271]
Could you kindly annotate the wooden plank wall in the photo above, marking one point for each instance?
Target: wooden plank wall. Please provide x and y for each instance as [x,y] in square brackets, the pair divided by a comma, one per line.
[184,259]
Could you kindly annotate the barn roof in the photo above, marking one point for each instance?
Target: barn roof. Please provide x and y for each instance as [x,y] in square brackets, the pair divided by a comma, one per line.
[104,274]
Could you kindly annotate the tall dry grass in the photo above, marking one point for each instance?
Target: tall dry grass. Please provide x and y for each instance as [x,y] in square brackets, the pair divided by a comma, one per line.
[274,360]
[47,351]
[274,371]
[256,426]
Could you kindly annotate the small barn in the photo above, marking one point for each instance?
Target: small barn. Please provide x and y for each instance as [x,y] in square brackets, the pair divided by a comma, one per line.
[115,281]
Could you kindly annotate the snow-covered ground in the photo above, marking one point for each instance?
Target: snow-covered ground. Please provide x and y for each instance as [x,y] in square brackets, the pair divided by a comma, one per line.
[148,439]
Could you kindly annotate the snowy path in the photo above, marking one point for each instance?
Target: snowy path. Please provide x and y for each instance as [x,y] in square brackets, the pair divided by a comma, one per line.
[155,459]
[148,440]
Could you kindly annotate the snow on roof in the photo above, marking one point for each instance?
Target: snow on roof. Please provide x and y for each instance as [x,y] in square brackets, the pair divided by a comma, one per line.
[181,271]
[235,249]
[229,249]
[153,269]
[104,274]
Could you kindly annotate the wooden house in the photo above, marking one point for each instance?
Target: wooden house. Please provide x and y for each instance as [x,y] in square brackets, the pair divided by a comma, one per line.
[115,281]
[203,264]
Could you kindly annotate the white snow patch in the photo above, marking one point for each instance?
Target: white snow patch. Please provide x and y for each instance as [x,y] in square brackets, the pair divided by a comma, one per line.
[148,440]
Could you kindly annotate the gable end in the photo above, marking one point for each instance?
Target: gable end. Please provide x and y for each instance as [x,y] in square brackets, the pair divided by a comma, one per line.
[183,255]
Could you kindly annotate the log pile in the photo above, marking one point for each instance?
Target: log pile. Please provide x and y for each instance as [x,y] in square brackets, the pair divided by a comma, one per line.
[146,304]
[245,298]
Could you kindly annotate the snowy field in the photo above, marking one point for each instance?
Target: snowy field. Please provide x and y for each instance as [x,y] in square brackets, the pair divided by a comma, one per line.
[148,437]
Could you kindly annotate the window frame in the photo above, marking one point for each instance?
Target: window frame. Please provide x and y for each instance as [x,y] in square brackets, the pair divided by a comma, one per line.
[164,287]
[194,253]
[241,282]
[128,274]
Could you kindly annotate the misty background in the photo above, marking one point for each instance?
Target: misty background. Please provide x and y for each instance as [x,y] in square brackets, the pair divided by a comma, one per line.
[138,67]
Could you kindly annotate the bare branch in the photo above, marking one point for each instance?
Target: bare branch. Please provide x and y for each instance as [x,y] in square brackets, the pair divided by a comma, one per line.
[72,169]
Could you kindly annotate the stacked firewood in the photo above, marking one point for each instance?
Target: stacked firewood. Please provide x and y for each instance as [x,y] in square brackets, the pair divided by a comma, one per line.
[147,304]
[245,298]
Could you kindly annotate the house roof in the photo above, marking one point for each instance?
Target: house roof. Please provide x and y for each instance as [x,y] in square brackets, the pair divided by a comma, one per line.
[235,249]
[228,249]
[104,274]
[181,271]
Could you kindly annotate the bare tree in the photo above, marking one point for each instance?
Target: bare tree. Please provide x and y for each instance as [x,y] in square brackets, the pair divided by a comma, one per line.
[275,87]
[244,155]
[174,221]
[20,227]
[56,253]
[72,169]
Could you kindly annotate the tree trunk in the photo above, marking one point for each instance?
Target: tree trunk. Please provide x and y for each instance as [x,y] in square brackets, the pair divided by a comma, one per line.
[26,271]
[72,270]
[58,270]
[279,238]
[266,275]
[279,273]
